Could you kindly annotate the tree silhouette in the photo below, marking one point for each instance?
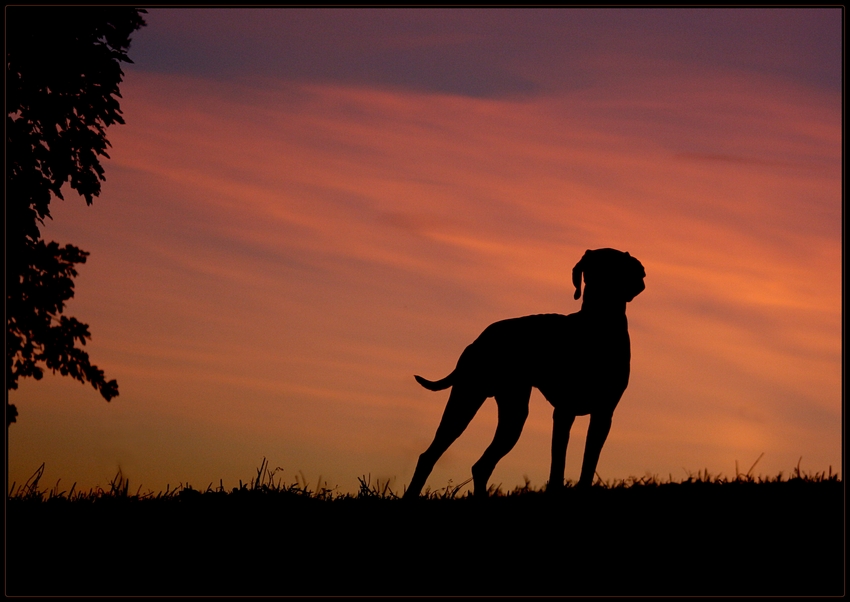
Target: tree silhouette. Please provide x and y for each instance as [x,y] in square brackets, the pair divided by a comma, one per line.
[62,75]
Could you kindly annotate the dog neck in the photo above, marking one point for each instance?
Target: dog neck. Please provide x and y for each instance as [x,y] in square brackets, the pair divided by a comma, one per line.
[602,306]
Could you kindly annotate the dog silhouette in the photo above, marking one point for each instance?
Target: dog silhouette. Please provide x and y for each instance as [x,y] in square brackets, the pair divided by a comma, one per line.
[579,362]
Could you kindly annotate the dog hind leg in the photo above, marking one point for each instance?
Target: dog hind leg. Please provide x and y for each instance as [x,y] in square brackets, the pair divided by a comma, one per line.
[461,408]
[513,411]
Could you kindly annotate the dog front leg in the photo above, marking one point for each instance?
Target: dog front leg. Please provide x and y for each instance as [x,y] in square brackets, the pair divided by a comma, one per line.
[562,422]
[597,433]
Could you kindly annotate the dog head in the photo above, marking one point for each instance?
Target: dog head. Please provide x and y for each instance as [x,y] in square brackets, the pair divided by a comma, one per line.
[611,273]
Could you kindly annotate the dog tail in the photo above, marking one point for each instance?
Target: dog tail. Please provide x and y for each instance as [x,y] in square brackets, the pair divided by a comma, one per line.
[437,385]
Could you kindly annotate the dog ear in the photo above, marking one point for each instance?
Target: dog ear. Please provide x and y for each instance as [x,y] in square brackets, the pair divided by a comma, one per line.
[577,272]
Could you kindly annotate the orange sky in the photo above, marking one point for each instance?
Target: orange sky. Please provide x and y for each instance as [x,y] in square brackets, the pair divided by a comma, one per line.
[273,258]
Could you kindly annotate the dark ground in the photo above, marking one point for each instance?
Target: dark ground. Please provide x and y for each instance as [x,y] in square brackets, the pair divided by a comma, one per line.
[766,539]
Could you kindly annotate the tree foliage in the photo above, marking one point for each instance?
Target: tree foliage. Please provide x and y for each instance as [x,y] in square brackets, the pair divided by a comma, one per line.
[62,75]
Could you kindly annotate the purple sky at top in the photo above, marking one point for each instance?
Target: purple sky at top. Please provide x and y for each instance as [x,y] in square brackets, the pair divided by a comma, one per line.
[490,53]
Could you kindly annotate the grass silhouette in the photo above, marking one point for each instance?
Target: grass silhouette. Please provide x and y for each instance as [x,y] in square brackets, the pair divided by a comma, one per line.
[267,481]
[705,534]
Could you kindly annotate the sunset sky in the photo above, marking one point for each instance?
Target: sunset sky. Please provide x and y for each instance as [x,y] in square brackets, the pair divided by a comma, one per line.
[307,207]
